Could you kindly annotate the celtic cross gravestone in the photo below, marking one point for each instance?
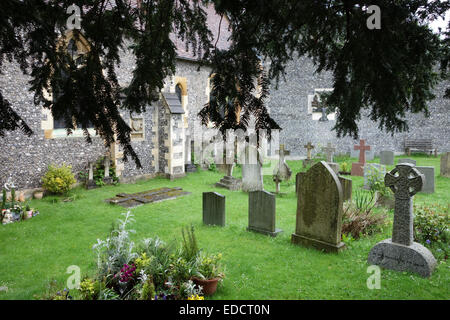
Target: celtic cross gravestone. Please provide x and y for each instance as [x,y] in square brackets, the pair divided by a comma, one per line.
[400,252]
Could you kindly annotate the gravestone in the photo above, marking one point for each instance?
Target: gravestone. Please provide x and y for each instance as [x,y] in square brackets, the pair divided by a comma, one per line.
[133,200]
[252,177]
[90,184]
[188,165]
[428,173]
[410,161]
[346,185]
[297,180]
[213,209]
[282,172]
[334,166]
[329,151]
[308,161]
[261,213]
[358,167]
[106,162]
[400,252]
[445,164]
[371,169]
[387,157]
[369,154]
[319,209]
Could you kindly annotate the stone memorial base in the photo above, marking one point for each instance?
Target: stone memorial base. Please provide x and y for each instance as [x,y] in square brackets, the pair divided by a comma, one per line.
[414,258]
[108,180]
[230,183]
[190,167]
[357,169]
[266,232]
[316,244]
[90,184]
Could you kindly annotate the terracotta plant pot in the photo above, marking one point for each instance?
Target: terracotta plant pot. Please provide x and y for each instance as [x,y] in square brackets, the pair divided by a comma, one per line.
[38,195]
[209,286]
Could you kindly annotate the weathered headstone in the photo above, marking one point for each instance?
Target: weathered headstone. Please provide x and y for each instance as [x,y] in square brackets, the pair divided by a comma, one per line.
[308,161]
[410,161]
[297,180]
[329,151]
[107,179]
[428,173]
[261,213]
[90,184]
[334,166]
[213,209]
[371,170]
[358,167]
[319,209]
[282,172]
[445,164]
[387,157]
[346,185]
[400,252]
[188,165]
[252,177]
[369,154]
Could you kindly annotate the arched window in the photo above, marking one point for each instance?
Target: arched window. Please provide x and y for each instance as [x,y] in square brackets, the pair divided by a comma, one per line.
[76,51]
[179,91]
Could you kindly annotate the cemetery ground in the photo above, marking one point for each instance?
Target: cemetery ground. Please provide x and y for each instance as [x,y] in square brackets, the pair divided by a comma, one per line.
[39,250]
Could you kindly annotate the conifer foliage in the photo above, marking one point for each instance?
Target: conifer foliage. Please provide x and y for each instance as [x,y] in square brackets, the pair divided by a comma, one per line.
[387,71]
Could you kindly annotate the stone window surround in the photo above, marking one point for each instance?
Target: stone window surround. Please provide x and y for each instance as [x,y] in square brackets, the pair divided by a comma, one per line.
[317,115]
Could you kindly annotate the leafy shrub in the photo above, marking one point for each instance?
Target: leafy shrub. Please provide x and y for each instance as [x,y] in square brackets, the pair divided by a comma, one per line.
[431,228]
[208,266]
[375,181]
[359,219]
[153,270]
[345,167]
[58,180]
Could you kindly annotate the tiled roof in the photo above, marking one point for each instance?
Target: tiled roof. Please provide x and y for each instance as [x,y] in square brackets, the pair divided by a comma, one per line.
[173,102]
[213,21]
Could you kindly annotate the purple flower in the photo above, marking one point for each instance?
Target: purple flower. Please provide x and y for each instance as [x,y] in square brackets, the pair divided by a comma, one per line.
[428,241]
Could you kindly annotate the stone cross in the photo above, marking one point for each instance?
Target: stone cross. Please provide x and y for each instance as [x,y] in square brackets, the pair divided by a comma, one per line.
[400,252]
[309,147]
[283,172]
[91,171]
[362,147]
[329,150]
[283,152]
[106,163]
[404,181]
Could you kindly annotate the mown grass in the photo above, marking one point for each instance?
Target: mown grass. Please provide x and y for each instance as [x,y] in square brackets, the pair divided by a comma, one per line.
[36,251]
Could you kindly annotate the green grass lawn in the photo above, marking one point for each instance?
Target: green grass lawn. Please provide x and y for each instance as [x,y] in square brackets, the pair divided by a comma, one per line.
[35,251]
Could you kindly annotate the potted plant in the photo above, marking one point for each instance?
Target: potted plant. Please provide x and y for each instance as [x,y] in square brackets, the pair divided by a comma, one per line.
[208,273]
[38,194]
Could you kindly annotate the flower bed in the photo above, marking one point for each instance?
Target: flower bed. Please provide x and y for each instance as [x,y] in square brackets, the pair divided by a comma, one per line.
[12,211]
[152,270]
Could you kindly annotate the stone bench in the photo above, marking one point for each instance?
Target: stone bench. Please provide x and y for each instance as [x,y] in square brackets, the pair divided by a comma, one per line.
[425,145]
